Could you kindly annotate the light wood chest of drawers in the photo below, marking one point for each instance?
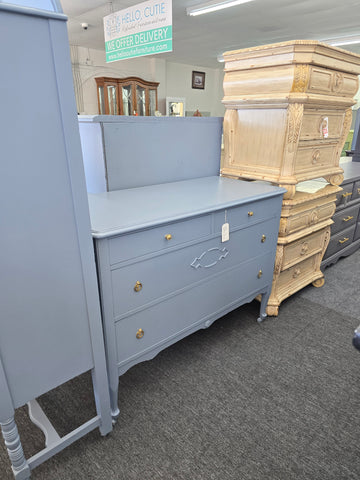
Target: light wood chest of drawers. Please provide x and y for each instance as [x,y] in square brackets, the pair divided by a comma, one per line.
[288,111]
[163,269]
[304,235]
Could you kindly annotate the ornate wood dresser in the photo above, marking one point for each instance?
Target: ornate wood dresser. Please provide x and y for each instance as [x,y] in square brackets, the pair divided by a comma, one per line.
[345,231]
[164,271]
[288,113]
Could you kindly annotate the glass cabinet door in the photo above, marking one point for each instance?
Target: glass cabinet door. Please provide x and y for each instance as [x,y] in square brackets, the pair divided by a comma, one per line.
[112,99]
[127,100]
[152,102]
[140,101]
[101,99]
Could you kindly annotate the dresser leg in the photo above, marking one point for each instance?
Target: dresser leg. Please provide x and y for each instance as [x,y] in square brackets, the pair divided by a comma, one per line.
[115,412]
[263,304]
[20,467]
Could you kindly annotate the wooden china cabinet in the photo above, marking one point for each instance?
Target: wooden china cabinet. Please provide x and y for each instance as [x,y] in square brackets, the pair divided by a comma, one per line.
[126,96]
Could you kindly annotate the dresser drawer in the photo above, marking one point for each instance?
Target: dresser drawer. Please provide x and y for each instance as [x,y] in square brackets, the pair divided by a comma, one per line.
[294,223]
[326,81]
[303,248]
[345,218]
[315,157]
[321,125]
[357,232]
[164,274]
[245,215]
[340,241]
[342,198]
[155,239]
[163,321]
[290,279]
[356,191]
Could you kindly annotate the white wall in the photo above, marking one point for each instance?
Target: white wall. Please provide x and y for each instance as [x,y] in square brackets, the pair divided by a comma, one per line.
[174,78]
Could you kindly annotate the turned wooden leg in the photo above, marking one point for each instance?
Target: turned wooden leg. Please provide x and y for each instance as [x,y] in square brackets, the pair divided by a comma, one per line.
[19,464]
[319,282]
[263,304]
[291,190]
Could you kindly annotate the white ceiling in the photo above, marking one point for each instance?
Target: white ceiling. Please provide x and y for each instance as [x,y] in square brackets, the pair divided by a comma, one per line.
[199,40]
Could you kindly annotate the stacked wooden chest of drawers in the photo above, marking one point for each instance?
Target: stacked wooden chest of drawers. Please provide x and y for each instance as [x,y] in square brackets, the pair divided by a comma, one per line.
[345,231]
[288,113]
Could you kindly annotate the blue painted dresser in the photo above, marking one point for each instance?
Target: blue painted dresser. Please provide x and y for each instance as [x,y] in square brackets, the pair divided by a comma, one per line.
[163,269]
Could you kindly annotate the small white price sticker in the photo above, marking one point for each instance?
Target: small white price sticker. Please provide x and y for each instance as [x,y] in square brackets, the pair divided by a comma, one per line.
[225,232]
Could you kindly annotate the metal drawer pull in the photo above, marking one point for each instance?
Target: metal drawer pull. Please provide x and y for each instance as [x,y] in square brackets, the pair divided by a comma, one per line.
[138,286]
[263,238]
[168,236]
[348,218]
[346,194]
[140,333]
[358,190]
[250,214]
[345,239]
[260,274]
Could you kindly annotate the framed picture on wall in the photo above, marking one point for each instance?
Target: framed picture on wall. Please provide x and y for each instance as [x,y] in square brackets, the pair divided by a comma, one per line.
[198,80]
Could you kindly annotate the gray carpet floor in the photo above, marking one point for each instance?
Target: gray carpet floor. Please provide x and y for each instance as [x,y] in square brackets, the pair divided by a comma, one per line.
[238,401]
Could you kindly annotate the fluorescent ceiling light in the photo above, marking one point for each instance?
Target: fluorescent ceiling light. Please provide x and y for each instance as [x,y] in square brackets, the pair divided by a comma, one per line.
[220,58]
[350,40]
[213,6]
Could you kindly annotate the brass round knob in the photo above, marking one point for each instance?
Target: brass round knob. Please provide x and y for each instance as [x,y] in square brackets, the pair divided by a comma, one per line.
[168,236]
[140,333]
[263,238]
[260,274]
[138,286]
[250,214]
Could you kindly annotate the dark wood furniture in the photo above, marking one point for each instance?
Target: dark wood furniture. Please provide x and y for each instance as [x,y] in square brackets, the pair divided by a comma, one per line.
[126,96]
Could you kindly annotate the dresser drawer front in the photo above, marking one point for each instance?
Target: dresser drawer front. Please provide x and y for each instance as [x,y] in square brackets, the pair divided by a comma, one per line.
[331,82]
[340,241]
[321,125]
[343,198]
[164,274]
[296,275]
[356,190]
[246,215]
[345,218]
[155,239]
[169,318]
[315,158]
[303,248]
[298,222]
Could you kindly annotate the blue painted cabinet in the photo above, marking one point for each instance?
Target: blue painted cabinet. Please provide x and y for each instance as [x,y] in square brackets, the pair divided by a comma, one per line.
[164,271]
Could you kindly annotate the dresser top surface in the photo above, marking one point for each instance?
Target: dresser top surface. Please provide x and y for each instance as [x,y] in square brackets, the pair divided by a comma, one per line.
[123,211]
[351,171]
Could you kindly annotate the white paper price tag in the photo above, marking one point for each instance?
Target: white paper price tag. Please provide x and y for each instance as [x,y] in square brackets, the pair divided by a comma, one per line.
[225,232]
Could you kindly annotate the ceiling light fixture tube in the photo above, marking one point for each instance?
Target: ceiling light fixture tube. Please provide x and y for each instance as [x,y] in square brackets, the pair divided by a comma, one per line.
[213,6]
[350,40]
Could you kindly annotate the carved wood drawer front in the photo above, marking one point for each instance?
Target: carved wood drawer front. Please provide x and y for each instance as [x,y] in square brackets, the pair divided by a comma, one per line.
[345,218]
[174,315]
[296,276]
[295,223]
[164,274]
[245,215]
[340,241]
[325,81]
[356,190]
[315,157]
[159,238]
[344,197]
[303,248]
[321,125]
